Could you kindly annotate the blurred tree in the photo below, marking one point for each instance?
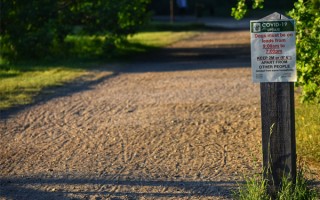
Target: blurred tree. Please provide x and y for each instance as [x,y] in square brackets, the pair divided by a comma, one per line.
[307,16]
[32,29]
[27,27]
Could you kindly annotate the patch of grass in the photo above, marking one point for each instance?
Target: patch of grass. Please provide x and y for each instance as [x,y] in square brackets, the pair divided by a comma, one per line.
[160,39]
[19,86]
[256,188]
[308,131]
[94,46]
[298,190]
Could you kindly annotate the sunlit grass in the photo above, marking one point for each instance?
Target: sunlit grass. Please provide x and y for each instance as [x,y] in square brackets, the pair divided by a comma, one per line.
[308,131]
[19,87]
[93,46]
[256,187]
[160,39]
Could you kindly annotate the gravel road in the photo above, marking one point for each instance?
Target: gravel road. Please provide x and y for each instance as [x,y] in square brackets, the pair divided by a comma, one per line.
[182,123]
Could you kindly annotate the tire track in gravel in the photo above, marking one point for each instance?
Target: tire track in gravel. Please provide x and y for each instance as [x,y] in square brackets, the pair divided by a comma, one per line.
[181,128]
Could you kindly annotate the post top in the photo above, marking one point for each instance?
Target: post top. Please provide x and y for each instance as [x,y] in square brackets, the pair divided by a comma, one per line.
[274,16]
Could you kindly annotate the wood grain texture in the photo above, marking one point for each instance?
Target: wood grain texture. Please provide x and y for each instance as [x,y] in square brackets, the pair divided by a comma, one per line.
[278,131]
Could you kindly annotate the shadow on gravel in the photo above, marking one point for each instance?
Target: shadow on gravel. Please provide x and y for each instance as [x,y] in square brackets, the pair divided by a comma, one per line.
[161,60]
[39,188]
[181,59]
[133,189]
[56,92]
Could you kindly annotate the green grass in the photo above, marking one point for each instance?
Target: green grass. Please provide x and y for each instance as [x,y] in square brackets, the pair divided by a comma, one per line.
[256,188]
[19,86]
[160,39]
[21,82]
[93,46]
[308,131]
[253,189]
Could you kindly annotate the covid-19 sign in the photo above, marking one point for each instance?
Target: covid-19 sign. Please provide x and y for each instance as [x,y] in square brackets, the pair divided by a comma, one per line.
[273,50]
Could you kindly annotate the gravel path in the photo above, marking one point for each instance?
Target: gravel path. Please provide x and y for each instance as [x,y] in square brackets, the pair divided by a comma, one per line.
[181,124]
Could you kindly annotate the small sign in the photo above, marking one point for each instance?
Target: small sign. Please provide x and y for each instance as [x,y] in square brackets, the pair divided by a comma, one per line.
[273,50]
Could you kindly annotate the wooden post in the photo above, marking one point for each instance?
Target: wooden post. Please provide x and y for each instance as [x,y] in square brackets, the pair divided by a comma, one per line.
[278,133]
[171,11]
[278,129]
[273,59]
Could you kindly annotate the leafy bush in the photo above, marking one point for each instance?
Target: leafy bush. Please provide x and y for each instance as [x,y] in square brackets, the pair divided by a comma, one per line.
[27,28]
[241,9]
[307,16]
[35,29]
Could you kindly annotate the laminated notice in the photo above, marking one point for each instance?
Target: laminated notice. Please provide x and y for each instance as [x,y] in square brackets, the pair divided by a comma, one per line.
[273,50]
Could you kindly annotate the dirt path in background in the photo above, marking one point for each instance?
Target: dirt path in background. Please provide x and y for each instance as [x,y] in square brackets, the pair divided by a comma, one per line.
[181,124]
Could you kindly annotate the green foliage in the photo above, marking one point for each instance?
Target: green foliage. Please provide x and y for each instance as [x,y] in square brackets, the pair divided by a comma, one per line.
[26,27]
[296,191]
[256,188]
[241,9]
[307,16]
[35,29]
[19,84]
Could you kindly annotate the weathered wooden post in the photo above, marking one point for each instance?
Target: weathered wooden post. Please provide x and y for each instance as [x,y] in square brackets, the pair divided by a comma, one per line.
[273,58]
[171,11]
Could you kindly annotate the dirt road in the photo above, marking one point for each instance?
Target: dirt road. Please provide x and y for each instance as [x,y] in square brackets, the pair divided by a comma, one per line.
[180,124]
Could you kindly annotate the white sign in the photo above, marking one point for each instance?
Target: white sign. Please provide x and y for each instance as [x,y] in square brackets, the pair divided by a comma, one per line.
[273,50]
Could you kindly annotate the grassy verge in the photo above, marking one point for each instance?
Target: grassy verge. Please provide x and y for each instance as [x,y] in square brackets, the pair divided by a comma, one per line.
[93,46]
[308,131]
[19,83]
[19,86]
[160,39]
[256,188]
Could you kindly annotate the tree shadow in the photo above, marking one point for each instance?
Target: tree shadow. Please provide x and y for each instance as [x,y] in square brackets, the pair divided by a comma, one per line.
[3,76]
[77,188]
[182,59]
[182,24]
[64,188]
[54,92]
[142,59]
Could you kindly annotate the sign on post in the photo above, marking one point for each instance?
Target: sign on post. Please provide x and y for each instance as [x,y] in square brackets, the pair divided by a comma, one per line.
[273,57]
[273,50]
